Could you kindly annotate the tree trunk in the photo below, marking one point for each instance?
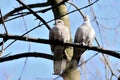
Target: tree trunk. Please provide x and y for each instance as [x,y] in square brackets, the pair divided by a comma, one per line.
[59,11]
[69,74]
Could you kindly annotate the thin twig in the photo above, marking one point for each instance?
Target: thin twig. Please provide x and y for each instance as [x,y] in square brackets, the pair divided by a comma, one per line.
[82,7]
[22,8]
[32,6]
[88,59]
[22,35]
[3,22]
[6,32]
[11,13]
[99,44]
[24,65]
[82,14]
[35,14]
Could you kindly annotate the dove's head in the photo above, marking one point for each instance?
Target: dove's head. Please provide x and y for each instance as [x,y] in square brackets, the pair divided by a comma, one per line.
[59,21]
[86,18]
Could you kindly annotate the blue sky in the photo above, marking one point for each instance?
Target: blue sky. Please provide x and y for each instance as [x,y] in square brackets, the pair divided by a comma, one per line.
[107,13]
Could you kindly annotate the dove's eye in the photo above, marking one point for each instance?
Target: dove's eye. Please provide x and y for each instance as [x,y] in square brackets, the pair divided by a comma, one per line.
[59,21]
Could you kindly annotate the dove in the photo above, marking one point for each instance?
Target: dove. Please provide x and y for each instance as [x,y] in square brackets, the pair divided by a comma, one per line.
[84,35]
[61,33]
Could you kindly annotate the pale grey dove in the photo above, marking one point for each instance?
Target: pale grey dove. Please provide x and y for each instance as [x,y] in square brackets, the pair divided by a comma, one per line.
[85,34]
[59,33]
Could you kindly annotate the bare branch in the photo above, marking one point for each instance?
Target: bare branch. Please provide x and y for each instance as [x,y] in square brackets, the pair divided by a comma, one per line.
[6,32]
[105,58]
[45,41]
[27,54]
[78,9]
[54,6]
[88,59]
[11,13]
[82,14]
[35,14]
[83,7]
[22,8]
[2,20]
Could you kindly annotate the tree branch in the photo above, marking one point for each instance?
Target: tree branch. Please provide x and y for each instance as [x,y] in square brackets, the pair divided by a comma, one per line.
[32,6]
[45,41]
[35,14]
[22,8]
[2,21]
[27,54]
[11,13]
